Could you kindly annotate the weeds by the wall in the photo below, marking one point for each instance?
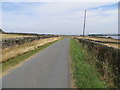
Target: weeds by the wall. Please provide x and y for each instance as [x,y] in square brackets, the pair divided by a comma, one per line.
[85,71]
[108,63]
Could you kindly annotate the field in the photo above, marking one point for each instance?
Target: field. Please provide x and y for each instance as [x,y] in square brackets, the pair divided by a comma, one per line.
[107,41]
[100,39]
[7,36]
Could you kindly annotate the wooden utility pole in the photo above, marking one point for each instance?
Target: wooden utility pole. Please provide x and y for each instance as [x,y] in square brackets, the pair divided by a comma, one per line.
[84,24]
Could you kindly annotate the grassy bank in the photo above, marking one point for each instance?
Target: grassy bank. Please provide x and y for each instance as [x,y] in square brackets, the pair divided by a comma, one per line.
[19,49]
[14,61]
[85,73]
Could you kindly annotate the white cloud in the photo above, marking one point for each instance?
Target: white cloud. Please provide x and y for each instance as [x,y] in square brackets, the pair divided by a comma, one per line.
[106,23]
[62,18]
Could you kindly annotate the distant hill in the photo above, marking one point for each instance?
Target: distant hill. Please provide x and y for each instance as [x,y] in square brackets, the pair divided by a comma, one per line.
[1,31]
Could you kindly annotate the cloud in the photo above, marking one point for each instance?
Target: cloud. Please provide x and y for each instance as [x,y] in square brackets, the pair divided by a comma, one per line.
[59,18]
[103,21]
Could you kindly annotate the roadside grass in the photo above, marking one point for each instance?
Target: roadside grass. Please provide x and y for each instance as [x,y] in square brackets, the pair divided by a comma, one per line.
[16,50]
[14,61]
[84,73]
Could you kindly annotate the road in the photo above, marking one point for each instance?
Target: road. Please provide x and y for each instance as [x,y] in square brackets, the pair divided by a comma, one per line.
[47,69]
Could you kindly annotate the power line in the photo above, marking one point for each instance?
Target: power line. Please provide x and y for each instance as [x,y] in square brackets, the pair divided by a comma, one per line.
[92,5]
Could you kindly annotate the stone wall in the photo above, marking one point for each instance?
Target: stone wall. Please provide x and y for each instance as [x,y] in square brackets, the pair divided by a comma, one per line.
[103,53]
[6,43]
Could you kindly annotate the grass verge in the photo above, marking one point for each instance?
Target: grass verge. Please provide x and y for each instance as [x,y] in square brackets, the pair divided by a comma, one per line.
[14,61]
[85,74]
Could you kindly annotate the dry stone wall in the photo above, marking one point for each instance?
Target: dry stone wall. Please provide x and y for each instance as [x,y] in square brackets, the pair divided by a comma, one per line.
[103,53]
[6,43]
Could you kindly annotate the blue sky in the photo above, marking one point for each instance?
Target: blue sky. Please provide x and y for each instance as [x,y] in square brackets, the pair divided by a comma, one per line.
[59,17]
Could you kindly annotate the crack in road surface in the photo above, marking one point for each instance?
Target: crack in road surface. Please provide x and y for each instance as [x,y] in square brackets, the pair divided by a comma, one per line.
[47,69]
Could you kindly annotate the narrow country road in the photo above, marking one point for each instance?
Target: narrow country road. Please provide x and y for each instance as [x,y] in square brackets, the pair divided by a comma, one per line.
[47,69]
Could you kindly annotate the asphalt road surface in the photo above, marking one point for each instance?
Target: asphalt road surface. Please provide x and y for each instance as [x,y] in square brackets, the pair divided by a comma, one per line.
[47,69]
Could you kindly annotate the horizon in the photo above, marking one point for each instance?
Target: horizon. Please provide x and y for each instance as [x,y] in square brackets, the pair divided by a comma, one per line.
[63,34]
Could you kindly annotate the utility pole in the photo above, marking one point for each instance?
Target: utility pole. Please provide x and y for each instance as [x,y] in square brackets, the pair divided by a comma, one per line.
[84,24]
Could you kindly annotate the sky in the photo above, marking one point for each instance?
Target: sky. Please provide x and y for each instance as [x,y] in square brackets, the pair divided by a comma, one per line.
[59,17]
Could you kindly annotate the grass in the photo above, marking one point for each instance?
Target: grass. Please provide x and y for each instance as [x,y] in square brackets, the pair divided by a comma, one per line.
[16,50]
[14,61]
[85,74]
